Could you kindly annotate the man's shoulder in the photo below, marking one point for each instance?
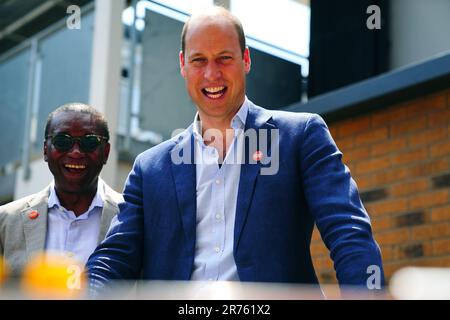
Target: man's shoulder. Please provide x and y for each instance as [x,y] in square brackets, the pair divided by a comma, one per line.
[289,117]
[17,206]
[161,151]
[284,116]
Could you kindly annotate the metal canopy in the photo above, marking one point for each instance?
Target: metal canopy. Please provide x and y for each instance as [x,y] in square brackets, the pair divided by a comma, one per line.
[19,20]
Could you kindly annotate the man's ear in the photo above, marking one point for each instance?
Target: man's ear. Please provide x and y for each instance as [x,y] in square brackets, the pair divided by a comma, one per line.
[183,73]
[247,60]
[45,151]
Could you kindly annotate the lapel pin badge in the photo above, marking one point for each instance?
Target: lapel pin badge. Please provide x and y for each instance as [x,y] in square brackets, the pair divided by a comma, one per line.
[33,215]
[258,155]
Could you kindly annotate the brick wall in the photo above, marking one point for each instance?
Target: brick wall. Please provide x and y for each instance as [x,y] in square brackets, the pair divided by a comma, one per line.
[400,158]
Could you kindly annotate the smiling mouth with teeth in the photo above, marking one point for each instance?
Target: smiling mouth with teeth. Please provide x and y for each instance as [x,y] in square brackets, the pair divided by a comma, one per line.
[75,166]
[214,92]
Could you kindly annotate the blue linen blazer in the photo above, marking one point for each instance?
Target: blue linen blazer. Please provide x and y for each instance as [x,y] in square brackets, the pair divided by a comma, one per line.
[153,236]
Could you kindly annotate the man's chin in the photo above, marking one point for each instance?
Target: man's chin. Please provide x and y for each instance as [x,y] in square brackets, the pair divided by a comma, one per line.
[215,110]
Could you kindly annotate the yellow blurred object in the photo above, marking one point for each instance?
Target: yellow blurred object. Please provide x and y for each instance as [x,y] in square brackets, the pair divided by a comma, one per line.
[53,276]
[3,271]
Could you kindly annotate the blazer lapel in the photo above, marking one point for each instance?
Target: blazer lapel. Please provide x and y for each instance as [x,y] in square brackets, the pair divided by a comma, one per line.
[110,209]
[185,184]
[35,229]
[256,119]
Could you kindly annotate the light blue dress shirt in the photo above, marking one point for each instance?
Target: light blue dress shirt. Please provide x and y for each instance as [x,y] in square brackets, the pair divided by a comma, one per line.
[70,235]
[217,191]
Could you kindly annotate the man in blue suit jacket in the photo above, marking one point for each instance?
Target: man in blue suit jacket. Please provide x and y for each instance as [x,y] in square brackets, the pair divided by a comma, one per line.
[192,213]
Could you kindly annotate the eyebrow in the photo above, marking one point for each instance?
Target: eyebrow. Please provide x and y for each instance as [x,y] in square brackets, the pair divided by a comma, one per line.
[194,55]
[199,54]
[226,51]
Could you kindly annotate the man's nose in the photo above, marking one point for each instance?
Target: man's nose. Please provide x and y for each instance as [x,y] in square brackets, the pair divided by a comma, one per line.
[212,71]
[75,150]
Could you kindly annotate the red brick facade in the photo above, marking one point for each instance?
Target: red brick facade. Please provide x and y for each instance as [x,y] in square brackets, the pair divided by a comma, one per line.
[400,158]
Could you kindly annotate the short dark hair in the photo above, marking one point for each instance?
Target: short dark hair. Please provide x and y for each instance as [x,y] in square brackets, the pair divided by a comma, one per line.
[82,108]
[223,11]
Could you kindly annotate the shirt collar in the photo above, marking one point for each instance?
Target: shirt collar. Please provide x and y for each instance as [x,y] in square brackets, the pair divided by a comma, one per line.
[96,202]
[238,121]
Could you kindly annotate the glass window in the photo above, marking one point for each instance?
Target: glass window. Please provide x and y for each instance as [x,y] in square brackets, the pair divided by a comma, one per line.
[13,101]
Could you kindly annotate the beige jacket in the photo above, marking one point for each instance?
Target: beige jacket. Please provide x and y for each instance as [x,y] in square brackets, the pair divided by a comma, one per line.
[21,237]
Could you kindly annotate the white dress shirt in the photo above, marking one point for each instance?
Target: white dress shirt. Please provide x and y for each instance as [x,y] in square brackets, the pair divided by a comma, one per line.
[217,191]
[68,234]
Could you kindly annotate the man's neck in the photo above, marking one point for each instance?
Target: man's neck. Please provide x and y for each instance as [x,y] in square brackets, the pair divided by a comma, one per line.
[77,202]
[218,133]
[218,123]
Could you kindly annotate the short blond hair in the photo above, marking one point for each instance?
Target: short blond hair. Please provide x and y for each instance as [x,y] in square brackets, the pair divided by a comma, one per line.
[212,11]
